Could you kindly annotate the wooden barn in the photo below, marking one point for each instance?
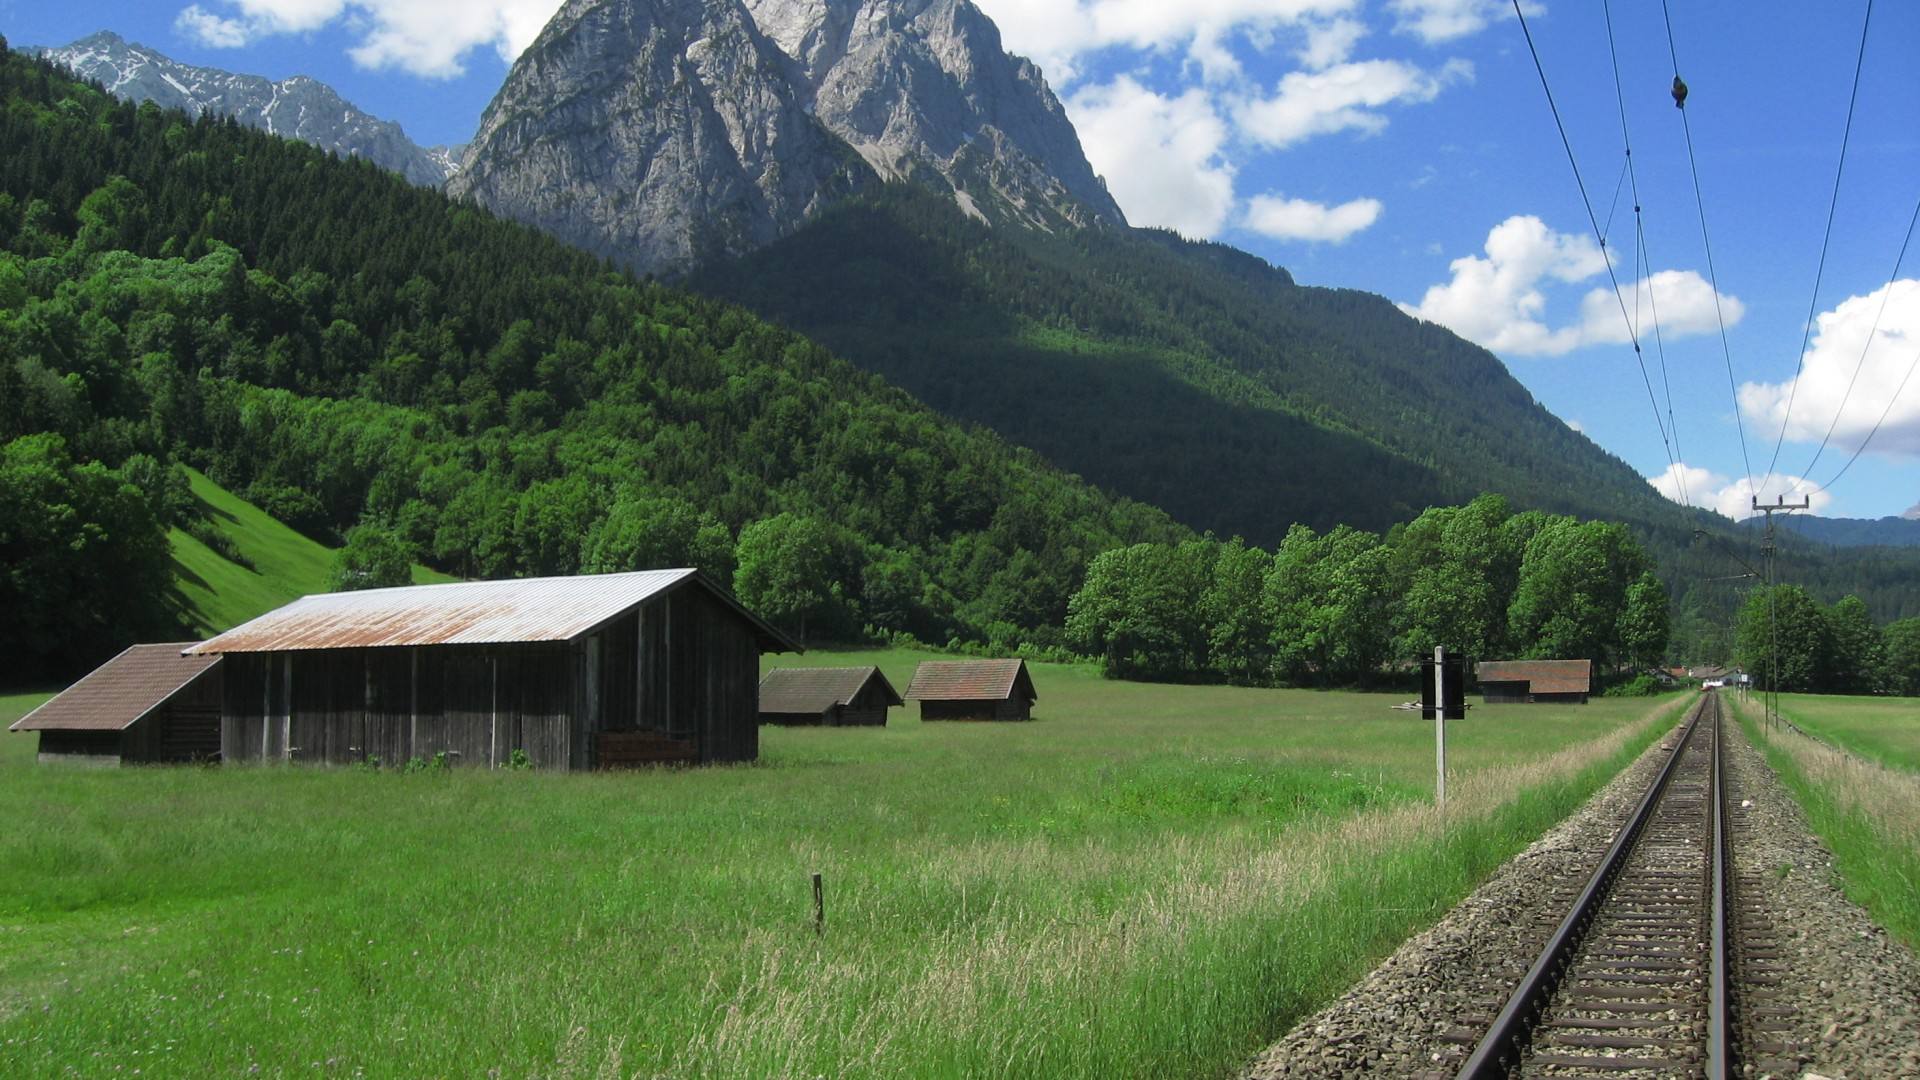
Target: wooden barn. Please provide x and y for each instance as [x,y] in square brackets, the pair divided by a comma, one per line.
[576,673]
[1510,682]
[834,697]
[148,705]
[973,690]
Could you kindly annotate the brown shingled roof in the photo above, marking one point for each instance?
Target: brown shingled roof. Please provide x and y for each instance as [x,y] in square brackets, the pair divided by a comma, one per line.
[1542,676]
[970,680]
[120,691]
[815,690]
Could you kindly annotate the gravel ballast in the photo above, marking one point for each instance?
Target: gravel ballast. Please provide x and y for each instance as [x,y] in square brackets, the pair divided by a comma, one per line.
[1849,1008]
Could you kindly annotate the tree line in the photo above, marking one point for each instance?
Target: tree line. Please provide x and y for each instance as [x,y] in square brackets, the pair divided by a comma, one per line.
[1789,641]
[1347,607]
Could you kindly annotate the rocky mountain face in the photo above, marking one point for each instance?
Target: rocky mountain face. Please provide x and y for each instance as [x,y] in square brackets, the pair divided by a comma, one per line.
[297,108]
[669,133]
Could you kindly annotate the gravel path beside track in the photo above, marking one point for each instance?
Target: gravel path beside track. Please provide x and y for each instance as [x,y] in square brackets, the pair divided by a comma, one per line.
[1851,1008]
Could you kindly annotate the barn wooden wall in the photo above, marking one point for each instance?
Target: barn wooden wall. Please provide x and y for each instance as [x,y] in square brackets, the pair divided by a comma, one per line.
[683,665]
[476,704]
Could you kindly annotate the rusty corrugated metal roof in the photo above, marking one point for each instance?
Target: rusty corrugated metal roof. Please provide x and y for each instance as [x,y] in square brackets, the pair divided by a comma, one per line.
[465,613]
[120,691]
[815,690]
[970,680]
[1542,676]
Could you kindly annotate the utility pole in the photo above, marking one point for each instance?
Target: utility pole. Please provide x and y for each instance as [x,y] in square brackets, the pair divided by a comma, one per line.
[1780,506]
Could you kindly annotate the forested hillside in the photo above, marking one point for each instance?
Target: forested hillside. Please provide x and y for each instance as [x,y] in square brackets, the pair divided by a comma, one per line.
[1185,374]
[1201,379]
[342,348]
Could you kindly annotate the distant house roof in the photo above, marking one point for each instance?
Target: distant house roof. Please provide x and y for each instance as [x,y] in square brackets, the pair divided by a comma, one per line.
[970,680]
[815,690]
[469,613]
[120,691]
[1542,676]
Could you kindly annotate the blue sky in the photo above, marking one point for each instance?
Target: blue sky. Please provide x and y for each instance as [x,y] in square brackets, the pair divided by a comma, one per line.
[1405,147]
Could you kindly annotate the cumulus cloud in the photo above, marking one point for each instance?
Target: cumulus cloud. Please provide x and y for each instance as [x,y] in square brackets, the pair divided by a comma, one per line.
[1732,498]
[1436,21]
[203,26]
[1341,97]
[1330,43]
[1879,336]
[1299,219]
[1160,155]
[1499,299]
[430,38]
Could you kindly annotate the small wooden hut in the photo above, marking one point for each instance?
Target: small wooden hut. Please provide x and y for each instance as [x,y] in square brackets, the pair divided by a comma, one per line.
[148,705]
[574,673]
[973,690]
[834,697]
[1510,682]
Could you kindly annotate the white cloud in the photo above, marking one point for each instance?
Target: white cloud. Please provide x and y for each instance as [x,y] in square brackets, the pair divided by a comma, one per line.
[1330,43]
[1682,300]
[1840,341]
[429,38]
[211,30]
[1731,498]
[1576,425]
[1340,98]
[1299,219]
[1498,300]
[1160,155]
[1436,21]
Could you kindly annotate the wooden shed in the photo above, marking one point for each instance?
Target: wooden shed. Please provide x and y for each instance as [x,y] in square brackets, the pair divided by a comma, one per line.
[1509,682]
[834,697]
[148,705]
[576,673]
[973,690]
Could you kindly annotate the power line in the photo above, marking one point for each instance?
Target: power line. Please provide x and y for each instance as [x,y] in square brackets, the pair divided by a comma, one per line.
[1813,302]
[1594,221]
[1643,263]
[1865,347]
[1706,241]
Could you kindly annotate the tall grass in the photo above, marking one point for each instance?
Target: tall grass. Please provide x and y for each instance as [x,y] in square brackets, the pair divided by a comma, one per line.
[1145,881]
[1867,813]
[1882,729]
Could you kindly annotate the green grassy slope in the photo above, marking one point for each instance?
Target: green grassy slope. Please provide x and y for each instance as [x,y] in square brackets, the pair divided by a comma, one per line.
[216,593]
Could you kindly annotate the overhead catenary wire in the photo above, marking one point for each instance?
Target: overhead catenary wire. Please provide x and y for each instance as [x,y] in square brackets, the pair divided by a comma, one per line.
[1593,220]
[1642,262]
[1813,302]
[1706,241]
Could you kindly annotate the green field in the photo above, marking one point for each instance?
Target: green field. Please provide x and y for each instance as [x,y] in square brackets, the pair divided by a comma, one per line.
[217,594]
[1882,729]
[1860,788]
[1145,881]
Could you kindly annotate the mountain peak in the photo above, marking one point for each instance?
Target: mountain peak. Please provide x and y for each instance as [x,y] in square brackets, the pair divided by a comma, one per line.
[667,133]
[301,107]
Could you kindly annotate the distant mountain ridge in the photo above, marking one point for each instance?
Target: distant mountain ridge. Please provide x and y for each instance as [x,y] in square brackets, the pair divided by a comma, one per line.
[298,108]
[667,134]
[1903,531]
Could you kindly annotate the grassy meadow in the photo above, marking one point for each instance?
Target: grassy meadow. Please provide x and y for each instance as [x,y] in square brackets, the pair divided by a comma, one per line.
[1882,729]
[1145,881]
[1860,788]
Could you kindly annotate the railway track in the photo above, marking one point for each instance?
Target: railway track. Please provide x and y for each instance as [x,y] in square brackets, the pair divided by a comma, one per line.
[1639,976]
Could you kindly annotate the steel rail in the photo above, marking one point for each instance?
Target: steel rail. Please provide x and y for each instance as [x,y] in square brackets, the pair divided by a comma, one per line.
[1506,1039]
[1719,1015]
